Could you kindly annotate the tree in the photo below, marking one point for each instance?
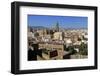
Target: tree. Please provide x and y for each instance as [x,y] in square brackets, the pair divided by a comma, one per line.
[71,50]
[83,49]
[36,34]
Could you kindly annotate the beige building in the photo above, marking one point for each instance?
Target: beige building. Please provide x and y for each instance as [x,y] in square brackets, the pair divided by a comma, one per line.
[58,35]
[53,51]
[42,32]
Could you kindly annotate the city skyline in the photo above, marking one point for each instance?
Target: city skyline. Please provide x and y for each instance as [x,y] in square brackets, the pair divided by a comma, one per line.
[64,21]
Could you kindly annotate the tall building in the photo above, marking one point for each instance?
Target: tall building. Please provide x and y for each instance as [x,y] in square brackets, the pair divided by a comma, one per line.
[42,32]
[56,27]
[58,35]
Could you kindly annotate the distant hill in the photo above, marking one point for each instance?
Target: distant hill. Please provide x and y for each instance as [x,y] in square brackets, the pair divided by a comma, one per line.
[42,27]
[38,27]
[75,28]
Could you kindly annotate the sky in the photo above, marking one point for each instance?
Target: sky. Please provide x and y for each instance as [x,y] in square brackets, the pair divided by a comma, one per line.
[64,21]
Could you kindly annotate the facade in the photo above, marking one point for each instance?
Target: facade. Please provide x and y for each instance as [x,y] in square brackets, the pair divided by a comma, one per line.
[51,49]
[42,32]
[58,35]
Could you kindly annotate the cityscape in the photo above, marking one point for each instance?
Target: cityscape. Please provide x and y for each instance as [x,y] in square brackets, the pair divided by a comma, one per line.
[57,37]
